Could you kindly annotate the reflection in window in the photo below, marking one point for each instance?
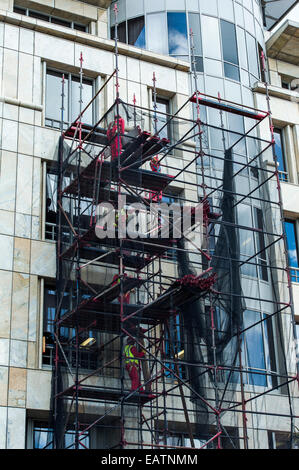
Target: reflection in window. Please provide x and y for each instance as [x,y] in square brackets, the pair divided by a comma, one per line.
[256,350]
[174,345]
[136,32]
[194,24]
[229,440]
[177,34]
[162,129]
[71,99]
[280,154]
[51,201]
[236,124]
[246,240]
[290,228]
[43,438]
[88,353]
[157,33]
[230,50]
[229,42]
[231,71]
[260,244]
[262,73]
[252,55]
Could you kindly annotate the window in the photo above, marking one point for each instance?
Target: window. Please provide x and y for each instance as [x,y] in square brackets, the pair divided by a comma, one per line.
[252,57]
[292,244]
[71,99]
[172,253]
[50,19]
[177,35]
[288,82]
[88,355]
[131,32]
[230,440]
[174,344]
[157,33]
[229,50]
[194,24]
[262,72]
[136,32]
[258,359]
[282,440]
[260,244]
[51,204]
[252,242]
[256,349]
[43,438]
[280,155]
[121,32]
[163,106]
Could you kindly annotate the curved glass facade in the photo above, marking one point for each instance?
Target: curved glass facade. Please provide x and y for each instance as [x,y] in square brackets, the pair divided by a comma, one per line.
[228,34]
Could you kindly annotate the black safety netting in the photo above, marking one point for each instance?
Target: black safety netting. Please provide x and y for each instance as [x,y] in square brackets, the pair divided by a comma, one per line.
[117,157]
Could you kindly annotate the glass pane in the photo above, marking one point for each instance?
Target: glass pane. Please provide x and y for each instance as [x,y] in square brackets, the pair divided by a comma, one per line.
[121,32]
[231,71]
[136,32]
[210,37]
[252,55]
[80,27]
[255,351]
[246,239]
[185,58]
[199,64]
[236,124]
[279,151]
[163,107]
[260,244]
[194,24]
[39,16]
[67,24]
[42,437]
[177,34]
[21,11]
[229,42]
[53,96]
[292,243]
[156,33]
[87,93]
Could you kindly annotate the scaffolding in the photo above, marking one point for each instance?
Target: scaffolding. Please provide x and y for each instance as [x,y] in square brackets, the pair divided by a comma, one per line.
[190,300]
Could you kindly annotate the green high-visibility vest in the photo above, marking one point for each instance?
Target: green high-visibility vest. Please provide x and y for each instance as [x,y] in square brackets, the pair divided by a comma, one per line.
[130,358]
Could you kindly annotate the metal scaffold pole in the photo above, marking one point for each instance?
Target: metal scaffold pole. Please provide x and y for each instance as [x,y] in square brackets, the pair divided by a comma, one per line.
[179,301]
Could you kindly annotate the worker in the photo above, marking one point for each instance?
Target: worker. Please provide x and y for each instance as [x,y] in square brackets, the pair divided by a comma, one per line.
[155,164]
[126,295]
[115,132]
[132,360]
[156,168]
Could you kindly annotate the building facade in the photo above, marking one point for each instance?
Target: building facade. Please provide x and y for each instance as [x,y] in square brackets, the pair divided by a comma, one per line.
[41,42]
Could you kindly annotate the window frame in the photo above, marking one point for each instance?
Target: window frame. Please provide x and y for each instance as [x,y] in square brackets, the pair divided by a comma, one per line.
[69,110]
[283,174]
[41,426]
[294,271]
[26,12]
[88,357]
[228,63]
[165,100]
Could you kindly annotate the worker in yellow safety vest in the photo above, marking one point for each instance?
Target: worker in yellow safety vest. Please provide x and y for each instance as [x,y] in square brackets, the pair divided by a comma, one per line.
[132,361]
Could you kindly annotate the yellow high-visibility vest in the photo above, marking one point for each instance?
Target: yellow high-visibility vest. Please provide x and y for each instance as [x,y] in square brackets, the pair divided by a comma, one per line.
[130,358]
